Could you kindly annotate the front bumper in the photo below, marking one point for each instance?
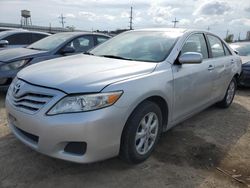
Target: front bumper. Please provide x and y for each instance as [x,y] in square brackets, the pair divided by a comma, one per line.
[244,79]
[6,78]
[101,130]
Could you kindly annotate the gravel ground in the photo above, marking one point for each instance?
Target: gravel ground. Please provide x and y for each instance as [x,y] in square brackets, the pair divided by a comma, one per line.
[190,155]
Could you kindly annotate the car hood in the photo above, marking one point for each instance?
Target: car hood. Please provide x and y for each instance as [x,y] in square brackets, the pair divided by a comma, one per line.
[83,73]
[10,55]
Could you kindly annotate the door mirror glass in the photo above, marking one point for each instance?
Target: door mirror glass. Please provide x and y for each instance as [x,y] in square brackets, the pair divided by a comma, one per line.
[68,50]
[190,58]
[4,43]
[235,51]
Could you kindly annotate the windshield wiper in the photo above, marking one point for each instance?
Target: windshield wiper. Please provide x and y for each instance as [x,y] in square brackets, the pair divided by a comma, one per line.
[36,49]
[116,57]
[88,53]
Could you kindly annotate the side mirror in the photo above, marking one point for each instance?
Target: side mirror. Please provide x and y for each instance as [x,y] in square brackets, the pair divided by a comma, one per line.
[4,43]
[235,51]
[190,58]
[68,50]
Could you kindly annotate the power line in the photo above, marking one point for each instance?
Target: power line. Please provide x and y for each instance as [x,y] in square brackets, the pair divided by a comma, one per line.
[62,18]
[131,19]
[175,22]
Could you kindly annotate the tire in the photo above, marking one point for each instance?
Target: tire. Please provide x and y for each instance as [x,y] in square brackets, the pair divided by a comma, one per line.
[133,150]
[229,96]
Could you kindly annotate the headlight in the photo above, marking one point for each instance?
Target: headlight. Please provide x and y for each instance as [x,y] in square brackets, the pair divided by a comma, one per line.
[14,65]
[83,103]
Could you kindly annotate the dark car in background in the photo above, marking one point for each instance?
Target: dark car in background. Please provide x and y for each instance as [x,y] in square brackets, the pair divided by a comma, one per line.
[19,38]
[54,46]
[243,49]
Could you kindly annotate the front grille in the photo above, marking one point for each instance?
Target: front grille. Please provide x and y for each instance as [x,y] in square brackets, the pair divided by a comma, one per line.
[32,137]
[31,101]
[27,98]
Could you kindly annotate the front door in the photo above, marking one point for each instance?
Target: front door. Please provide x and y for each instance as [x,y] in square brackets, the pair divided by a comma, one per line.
[192,82]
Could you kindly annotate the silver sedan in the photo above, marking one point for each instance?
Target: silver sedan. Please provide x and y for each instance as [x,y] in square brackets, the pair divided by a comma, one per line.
[119,97]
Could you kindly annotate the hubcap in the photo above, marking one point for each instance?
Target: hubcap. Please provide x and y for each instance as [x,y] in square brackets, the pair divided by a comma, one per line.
[146,133]
[230,92]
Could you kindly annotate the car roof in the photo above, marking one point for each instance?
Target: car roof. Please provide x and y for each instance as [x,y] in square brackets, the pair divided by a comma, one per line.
[179,30]
[176,30]
[8,32]
[77,33]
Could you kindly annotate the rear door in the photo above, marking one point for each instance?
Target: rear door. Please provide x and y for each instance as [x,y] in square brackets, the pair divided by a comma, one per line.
[192,82]
[222,60]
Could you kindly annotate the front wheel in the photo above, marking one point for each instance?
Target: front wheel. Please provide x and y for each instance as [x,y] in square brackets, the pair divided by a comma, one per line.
[228,99]
[141,133]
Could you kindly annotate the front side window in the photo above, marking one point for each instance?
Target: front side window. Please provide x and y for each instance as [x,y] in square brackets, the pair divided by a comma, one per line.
[37,37]
[51,42]
[150,46]
[82,44]
[196,43]
[101,39]
[227,52]
[19,39]
[216,46]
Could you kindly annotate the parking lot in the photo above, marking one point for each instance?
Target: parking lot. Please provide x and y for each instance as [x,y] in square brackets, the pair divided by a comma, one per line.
[190,155]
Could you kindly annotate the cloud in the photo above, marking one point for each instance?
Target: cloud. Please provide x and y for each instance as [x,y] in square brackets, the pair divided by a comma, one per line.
[184,22]
[108,17]
[213,8]
[240,22]
[124,14]
[208,21]
[247,9]
[92,16]
[70,15]
[88,15]
[160,14]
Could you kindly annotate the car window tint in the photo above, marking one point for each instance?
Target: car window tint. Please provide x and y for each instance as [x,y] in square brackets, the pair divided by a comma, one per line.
[82,44]
[216,46]
[19,39]
[101,39]
[37,37]
[227,52]
[196,43]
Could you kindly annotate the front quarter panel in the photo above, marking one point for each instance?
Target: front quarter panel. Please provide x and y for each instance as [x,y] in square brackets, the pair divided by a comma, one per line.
[136,90]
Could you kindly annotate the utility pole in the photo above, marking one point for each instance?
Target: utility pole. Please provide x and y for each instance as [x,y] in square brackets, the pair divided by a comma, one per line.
[208,28]
[131,19]
[62,18]
[227,33]
[175,22]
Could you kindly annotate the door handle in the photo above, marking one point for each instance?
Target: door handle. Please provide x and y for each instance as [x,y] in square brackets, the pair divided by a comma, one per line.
[210,67]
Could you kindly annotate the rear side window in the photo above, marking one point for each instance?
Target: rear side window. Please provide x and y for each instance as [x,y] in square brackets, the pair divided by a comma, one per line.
[37,37]
[216,46]
[196,43]
[19,39]
[101,39]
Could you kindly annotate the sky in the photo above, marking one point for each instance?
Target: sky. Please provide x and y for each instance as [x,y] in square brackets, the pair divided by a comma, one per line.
[220,16]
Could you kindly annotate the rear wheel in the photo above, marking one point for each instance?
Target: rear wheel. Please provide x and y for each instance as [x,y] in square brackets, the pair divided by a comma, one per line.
[141,133]
[228,99]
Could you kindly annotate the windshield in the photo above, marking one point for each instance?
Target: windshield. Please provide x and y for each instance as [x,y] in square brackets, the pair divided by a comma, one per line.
[51,42]
[151,46]
[243,48]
